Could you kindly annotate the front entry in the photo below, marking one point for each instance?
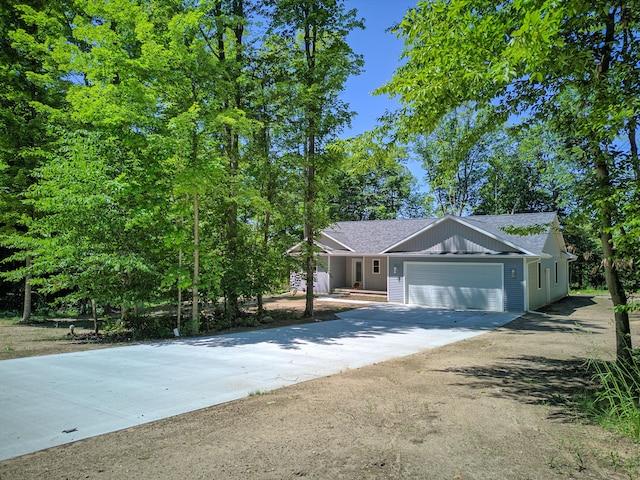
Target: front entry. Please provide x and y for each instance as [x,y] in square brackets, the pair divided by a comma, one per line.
[357,273]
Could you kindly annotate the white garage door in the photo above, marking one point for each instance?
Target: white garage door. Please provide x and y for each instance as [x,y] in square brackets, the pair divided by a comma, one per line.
[455,285]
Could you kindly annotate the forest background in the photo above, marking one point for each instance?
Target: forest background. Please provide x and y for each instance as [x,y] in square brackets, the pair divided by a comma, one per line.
[168,153]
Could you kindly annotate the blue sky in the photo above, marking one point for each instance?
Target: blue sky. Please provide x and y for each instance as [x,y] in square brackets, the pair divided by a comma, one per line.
[381,52]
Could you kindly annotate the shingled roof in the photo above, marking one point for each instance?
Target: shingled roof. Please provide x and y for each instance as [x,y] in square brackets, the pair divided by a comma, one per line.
[375,236]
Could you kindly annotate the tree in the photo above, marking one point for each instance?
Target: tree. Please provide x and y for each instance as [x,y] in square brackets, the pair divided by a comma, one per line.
[523,58]
[454,157]
[90,219]
[527,171]
[377,194]
[31,89]
[313,35]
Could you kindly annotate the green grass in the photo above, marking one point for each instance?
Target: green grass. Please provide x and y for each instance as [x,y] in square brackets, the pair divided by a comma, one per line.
[589,291]
[616,401]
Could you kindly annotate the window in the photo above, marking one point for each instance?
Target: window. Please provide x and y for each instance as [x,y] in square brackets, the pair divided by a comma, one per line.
[376,266]
[555,266]
[539,275]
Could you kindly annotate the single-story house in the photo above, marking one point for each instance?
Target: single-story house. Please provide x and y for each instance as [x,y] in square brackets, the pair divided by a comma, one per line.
[483,262]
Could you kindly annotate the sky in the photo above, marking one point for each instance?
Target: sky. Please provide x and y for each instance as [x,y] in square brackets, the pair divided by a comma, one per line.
[381,52]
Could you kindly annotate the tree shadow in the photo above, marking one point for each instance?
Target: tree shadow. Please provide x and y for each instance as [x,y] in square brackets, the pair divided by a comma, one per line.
[557,317]
[530,324]
[569,305]
[331,332]
[533,380]
[368,322]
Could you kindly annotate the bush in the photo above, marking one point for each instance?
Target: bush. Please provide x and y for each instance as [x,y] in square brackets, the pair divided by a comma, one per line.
[147,327]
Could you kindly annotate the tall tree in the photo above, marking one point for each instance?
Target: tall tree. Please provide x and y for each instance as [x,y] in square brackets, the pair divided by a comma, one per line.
[378,194]
[454,157]
[523,58]
[31,89]
[527,171]
[314,34]
[96,235]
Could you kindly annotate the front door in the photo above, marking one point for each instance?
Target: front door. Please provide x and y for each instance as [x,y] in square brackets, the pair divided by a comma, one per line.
[357,273]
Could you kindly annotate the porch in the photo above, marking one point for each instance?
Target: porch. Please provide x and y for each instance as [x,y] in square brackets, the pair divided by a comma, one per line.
[358,294]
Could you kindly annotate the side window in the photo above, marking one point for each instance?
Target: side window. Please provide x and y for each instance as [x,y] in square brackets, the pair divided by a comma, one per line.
[539,275]
[376,266]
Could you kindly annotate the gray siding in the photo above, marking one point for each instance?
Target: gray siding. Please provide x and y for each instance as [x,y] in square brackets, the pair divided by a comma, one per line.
[375,281]
[372,281]
[512,269]
[321,277]
[338,272]
[553,246]
[395,283]
[451,237]
[514,277]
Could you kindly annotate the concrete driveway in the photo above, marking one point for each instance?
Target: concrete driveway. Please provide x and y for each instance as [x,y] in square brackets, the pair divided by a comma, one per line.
[57,399]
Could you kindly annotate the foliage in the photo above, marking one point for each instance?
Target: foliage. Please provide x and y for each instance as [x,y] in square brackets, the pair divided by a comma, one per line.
[312,36]
[454,158]
[91,215]
[571,65]
[162,135]
[527,171]
[378,194]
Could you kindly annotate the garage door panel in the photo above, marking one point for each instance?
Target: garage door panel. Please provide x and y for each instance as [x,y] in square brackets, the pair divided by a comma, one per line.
[460,286]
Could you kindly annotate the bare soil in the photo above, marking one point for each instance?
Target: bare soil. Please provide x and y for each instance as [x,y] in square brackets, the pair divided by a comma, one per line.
[500,405]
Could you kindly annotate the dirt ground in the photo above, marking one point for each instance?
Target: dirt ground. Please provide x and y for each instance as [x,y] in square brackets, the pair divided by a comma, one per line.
[497,406]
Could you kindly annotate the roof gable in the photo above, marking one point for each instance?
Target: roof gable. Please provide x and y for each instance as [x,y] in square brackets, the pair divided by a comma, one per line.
[474,234]
[533,243]
[450,235]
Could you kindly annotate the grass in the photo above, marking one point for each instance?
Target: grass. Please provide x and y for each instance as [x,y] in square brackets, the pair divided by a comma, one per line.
[589,291]
[259,392]
[616,402]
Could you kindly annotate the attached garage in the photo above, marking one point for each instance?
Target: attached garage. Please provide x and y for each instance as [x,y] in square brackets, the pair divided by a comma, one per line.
[473,286]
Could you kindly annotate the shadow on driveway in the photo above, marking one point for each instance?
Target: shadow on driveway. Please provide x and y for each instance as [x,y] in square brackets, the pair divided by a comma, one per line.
[368,322]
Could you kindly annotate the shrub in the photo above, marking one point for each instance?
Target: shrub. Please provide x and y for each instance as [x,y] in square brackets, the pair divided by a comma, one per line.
[616,402]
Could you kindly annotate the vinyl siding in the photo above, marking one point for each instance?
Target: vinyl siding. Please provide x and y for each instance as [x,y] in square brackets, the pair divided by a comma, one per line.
[375,281]
[513,297]
[451,237]
[338,272]
[395,282]
[553,291]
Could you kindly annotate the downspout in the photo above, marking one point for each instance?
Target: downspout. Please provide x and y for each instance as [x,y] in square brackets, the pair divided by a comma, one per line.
[388,277]
[525,278]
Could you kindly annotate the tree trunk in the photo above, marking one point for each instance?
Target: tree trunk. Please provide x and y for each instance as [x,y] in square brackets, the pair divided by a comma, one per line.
[616,290]
[94,315]
[309,233]
[624,352]
[179,312]
[195,319]
[26,309]
[310,39]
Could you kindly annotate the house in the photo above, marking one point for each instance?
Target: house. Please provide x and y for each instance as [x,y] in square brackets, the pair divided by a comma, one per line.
[483,262]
